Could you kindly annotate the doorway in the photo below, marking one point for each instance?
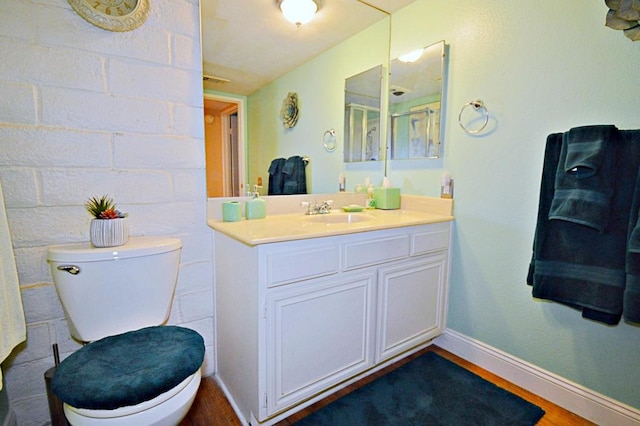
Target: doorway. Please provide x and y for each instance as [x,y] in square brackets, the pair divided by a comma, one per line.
[224,145]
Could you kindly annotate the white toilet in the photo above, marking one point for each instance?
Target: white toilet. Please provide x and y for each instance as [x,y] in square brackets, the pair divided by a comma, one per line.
[135,371]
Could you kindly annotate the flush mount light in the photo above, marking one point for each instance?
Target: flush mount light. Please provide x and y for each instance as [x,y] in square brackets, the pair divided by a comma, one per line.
[298,11]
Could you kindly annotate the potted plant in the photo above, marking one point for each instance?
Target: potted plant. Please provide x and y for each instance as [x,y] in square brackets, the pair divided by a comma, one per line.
[109,227]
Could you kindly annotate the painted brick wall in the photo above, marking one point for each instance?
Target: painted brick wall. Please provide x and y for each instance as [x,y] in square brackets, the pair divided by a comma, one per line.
[86,112]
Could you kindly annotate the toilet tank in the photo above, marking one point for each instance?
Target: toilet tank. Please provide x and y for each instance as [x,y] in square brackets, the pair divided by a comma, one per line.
[112,290]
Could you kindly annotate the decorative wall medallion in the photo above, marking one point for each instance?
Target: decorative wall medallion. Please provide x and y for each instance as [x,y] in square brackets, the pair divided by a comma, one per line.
[289,111]
[113,15]
[624,15]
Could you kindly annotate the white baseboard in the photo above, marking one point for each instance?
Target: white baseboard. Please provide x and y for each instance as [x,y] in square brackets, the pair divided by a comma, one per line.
[584,402]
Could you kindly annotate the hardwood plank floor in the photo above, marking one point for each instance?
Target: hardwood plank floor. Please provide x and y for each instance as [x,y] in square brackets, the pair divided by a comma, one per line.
[211,407]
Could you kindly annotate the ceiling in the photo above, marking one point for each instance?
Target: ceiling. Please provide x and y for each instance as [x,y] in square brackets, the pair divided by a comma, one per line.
[249,43]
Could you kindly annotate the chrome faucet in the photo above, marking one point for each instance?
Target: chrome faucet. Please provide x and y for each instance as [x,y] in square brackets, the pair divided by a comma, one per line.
[314,207]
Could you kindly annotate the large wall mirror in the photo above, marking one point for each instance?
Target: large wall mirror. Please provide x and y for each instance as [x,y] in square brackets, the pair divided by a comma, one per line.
[415,101]
[364,149]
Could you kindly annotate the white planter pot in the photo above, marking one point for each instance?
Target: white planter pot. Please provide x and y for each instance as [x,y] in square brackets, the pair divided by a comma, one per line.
[109,232]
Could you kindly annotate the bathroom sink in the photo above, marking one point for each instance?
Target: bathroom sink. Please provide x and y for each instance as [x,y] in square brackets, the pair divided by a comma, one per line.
[339,218]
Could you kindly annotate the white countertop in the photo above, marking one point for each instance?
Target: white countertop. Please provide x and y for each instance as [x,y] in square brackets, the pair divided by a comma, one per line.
[415,210]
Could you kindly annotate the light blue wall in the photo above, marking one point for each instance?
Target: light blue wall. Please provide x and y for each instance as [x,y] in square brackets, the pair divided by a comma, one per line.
[540,67]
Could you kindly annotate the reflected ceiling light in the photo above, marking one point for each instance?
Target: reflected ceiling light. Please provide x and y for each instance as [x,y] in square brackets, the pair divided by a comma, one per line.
[411,56]
[298,11]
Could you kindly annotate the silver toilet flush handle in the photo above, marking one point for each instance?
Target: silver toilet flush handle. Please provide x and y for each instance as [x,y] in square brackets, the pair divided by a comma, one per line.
[72,269]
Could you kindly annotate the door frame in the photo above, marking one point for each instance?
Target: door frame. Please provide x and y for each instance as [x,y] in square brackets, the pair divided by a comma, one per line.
[241,165]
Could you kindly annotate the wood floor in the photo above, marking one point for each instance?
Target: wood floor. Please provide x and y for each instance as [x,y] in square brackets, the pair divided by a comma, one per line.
[211,408]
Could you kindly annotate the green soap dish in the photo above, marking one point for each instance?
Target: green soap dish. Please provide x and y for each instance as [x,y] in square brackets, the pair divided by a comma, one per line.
[352,208]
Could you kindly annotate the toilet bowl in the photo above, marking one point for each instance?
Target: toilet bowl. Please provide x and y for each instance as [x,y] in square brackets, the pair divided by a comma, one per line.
[133,370]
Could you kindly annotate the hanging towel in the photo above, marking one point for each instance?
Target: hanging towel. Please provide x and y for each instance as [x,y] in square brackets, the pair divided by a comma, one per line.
[634,234]
[585,176]
[631,303]
[12,324]
[295,176]
[576,265]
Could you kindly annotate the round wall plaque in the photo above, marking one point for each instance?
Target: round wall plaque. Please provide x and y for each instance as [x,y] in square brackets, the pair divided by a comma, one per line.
[113,15]
[289,112]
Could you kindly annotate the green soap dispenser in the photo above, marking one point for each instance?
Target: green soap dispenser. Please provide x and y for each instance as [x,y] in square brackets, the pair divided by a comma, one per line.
[256,207]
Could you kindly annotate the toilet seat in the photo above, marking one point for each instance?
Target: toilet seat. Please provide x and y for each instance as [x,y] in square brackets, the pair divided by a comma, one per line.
[166,409]
[130,373]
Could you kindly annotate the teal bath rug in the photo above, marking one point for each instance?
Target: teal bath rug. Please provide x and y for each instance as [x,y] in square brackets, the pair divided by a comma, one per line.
[429,390]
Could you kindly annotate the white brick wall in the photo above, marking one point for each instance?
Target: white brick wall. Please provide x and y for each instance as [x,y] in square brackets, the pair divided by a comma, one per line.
[85,112]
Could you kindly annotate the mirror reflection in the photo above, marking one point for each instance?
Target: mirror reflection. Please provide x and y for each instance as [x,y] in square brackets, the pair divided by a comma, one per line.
[415,102]
[318,81]
[373,121]
[362,104]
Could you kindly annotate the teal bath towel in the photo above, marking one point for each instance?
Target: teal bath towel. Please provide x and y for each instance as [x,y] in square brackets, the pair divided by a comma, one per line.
[634,223]
[576,264]
[585,176]
[631,309]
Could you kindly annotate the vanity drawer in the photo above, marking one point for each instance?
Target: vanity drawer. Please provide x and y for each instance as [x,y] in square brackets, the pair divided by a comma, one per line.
[434,237]
[283,267]
[375,251]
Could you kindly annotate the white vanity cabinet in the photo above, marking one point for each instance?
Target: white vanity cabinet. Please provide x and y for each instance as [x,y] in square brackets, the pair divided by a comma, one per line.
[298,320]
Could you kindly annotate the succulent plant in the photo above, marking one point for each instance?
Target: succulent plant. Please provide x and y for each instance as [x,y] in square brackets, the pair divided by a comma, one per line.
[103,208]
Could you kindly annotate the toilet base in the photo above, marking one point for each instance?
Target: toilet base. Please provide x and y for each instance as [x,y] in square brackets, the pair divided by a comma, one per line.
[167,409]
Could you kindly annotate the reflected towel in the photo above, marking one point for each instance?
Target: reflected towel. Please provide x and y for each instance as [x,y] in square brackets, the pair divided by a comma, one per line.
[295,176]
[585,176]
[12,324]
[276,178]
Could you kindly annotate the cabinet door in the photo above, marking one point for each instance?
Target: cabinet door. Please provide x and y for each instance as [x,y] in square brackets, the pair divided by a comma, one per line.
[411,304]
[318,334]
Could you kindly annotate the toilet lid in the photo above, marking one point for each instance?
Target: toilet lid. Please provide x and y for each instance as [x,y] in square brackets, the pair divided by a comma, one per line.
[129,368]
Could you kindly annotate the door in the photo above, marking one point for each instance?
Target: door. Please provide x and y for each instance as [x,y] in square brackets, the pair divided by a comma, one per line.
[410,308]
[224,146]
[319,332]
[230,152]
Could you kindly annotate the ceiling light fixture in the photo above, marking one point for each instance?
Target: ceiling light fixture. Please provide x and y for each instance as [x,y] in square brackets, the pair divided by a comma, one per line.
[298,11]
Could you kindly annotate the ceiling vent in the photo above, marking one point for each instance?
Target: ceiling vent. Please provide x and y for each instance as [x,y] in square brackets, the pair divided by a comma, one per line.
[213,79]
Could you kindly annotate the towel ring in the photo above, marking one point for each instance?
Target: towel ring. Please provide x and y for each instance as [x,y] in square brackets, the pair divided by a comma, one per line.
[476,105]
[329,140]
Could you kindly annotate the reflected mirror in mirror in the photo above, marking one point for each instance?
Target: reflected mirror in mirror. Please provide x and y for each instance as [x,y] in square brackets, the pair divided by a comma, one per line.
[415,102]
[362,102]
